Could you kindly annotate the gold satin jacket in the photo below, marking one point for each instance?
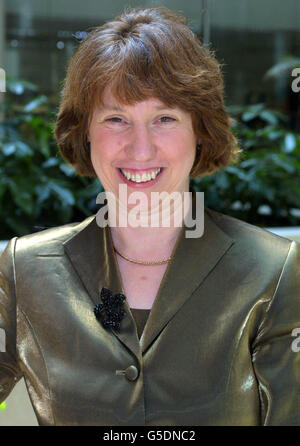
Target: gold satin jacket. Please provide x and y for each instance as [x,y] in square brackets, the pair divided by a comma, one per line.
[217,348]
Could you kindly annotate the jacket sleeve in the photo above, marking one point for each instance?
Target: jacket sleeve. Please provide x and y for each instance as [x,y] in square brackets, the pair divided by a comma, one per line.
[9,371]
[276,350]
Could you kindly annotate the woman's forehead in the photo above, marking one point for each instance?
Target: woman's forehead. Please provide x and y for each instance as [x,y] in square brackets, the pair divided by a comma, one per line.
[110,102]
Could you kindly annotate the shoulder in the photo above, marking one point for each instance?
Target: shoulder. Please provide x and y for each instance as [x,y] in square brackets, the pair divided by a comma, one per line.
[249,238]
[240,229]
[262,259]
[50,240]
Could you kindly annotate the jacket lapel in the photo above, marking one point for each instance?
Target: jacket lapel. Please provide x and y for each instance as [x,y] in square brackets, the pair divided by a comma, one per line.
[193,260]
[93,258]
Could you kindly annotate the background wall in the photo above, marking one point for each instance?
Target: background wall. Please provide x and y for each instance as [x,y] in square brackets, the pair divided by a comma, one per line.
[249,36]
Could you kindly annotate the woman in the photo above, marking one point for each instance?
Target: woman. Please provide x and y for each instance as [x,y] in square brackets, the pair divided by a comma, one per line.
[141,325]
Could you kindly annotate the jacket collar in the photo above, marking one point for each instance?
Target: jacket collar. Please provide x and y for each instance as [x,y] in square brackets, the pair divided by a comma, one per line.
[92,256]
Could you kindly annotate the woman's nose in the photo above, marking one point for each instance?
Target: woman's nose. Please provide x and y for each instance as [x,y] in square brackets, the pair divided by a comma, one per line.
[141,146]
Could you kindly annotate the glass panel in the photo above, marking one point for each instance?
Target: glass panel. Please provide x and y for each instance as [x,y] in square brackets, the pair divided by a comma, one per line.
[250,37]
[41,35]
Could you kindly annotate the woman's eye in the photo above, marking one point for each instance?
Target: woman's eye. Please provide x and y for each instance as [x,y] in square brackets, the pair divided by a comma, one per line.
[167,119]
[114,119]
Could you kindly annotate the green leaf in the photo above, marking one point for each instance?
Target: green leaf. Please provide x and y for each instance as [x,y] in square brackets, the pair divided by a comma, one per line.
[32,105]
[252,112]
[67,170]
[9,148]
[249,115]
[42,192]
[222,180]
[50,162]
[270,194]
[289,143]
[21,191]
[275,134]
[281,163]
[19,148]
[19,86]
[286,64]
[248,163]
[268,116]
[238,172]
[65,195]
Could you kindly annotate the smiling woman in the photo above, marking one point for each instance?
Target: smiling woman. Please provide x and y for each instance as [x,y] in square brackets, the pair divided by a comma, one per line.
[138,56]
[142,94]
[139,140]
[134,325]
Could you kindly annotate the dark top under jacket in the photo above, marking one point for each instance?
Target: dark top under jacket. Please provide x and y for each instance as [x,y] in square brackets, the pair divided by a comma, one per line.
[217,347]
[140,317]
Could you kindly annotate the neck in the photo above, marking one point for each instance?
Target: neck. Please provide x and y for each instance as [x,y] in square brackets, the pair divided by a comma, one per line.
[145,244]
[149,243]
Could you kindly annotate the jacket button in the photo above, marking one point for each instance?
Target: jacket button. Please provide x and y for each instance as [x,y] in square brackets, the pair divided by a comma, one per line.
[131,373]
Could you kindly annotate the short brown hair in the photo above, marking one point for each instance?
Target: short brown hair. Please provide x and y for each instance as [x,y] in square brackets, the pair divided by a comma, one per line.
[143,53]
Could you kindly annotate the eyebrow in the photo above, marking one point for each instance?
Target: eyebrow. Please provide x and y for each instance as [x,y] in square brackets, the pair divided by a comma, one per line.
[118,108]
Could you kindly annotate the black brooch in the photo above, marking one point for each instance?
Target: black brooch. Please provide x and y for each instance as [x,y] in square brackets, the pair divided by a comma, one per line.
[109,311]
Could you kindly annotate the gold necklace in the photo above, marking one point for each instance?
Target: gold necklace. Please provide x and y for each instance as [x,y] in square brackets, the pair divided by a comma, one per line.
[160,262]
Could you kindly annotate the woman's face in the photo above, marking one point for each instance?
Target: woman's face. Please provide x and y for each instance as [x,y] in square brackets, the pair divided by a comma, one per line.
[140,139]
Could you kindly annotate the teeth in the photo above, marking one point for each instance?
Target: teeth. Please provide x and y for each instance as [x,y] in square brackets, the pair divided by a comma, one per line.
[146,176]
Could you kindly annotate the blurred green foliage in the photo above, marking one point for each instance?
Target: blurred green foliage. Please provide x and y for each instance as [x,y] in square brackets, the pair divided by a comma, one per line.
[263,187]
[39,190]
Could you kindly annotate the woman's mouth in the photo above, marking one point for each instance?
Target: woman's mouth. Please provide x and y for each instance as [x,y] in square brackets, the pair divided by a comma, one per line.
[140,178]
